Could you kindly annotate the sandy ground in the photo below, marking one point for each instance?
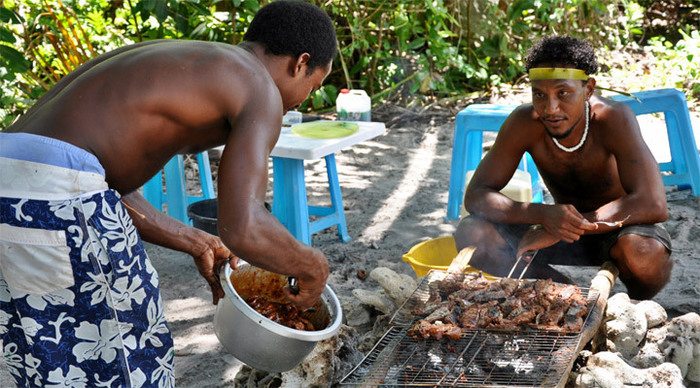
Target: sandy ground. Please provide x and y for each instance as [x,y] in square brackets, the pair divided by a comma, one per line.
[395,194]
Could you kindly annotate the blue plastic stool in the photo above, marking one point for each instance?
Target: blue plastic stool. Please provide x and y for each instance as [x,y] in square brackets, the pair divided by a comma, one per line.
[470,124]
[683,169]
[290,204]
[175,195]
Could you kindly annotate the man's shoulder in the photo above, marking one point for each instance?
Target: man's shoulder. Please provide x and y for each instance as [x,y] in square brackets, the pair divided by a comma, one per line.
[607,111]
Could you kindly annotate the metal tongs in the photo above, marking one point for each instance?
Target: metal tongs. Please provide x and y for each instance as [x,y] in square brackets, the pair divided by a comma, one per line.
[528,257]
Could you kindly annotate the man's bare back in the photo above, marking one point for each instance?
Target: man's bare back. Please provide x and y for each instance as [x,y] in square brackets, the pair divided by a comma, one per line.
[155,100]
[138,106]
[72,165]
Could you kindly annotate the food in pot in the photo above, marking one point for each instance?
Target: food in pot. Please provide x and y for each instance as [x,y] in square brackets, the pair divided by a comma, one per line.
[471,301]
[264,292]
[285,314]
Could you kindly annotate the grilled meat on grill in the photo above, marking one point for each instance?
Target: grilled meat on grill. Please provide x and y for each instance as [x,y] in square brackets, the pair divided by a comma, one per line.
[437,330]
[473,302]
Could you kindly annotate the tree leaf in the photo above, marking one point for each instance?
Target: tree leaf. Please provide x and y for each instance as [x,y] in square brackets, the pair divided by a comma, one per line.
[417,43]
[7,36]
[161,11]
[14,59]
[6,16]
[149,5]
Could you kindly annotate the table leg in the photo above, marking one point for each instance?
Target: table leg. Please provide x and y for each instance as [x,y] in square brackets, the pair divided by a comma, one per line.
[289,203]
[336,198]
[457,171]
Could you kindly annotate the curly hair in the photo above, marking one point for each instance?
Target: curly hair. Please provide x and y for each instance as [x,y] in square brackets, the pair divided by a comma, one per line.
[292,28]
[562,51]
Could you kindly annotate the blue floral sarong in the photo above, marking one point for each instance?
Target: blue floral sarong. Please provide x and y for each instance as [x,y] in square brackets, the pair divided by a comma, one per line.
[79,298]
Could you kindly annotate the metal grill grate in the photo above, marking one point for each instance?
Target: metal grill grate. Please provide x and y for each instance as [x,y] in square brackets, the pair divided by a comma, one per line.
[480,358]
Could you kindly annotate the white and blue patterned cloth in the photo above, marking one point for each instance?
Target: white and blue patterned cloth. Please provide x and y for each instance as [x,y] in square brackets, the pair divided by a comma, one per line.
[79,298]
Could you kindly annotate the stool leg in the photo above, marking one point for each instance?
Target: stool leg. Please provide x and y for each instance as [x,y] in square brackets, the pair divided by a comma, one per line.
[537,194]
[683,146]
[675,143]
[153,191]
[205,175]
[458,170]
[175,189]
[289,203]
[336,198]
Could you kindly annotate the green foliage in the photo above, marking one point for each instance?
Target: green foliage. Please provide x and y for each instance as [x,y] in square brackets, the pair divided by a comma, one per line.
[388,47]
[679,63]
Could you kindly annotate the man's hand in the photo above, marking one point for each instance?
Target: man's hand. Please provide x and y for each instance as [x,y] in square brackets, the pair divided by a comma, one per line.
[312,284]
[209,256]
[565,223]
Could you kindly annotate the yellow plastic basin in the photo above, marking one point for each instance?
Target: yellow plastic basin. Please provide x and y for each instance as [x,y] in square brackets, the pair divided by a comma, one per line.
[435,253]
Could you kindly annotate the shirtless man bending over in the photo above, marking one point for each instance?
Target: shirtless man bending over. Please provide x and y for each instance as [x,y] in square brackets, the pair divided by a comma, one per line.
[79,299]
[593,159]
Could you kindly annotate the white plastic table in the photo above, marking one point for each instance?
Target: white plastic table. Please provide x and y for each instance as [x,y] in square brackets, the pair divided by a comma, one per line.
[289,202]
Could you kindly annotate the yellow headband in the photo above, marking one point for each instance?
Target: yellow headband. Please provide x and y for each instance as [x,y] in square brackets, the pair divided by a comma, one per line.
[540,73]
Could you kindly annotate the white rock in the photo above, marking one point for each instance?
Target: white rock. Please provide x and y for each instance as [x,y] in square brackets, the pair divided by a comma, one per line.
[375,299]
[678,350]
[649,356]
[323,364]
[681,342]
[694,369]
[655,314]
[627,326]
[687,326]
[617,305]
[398,287]
[657,334]
[606,369]
[597,377]
[409,280]
[354,313]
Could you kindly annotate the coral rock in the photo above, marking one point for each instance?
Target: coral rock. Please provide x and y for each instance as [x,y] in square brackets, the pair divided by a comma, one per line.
[627,326]
[375,299]
[355,314]
[606,369]
[398,287]
[323,365]
[655,314]
[682,345]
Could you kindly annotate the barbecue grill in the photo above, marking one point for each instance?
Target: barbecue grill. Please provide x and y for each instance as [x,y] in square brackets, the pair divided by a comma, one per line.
[481,357]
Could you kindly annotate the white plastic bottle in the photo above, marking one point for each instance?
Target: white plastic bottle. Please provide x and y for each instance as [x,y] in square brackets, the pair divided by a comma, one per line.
[353,105]
[290,118]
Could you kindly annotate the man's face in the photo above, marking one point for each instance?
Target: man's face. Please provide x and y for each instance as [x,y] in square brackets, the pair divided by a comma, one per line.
[304,84]
[559,104]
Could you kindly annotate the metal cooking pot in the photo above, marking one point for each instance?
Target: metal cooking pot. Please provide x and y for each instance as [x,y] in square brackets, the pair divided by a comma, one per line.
[258,341]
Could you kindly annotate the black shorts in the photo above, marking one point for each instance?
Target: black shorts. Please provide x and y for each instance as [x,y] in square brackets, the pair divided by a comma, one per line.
[589,250]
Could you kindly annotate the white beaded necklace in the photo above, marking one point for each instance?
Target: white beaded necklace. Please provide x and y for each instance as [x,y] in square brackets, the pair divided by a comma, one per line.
[583,138]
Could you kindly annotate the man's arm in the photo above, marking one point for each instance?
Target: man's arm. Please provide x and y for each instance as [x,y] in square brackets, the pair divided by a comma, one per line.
[208,251]
[245,226]
[645,198]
